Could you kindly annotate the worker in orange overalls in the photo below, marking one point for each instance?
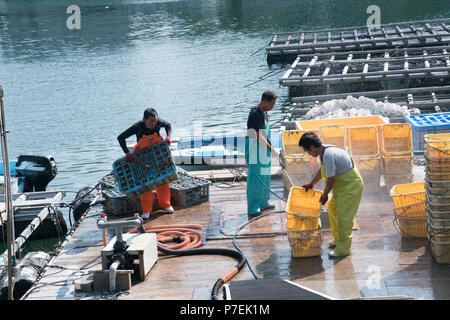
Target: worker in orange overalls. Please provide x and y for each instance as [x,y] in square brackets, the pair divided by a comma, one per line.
[147,133]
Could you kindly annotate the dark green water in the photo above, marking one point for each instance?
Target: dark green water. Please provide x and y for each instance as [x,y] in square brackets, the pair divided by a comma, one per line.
[69,93]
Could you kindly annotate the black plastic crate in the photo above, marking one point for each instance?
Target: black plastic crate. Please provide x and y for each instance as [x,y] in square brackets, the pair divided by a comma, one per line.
[117,203]
[187,191]
[152,168]
[108,181]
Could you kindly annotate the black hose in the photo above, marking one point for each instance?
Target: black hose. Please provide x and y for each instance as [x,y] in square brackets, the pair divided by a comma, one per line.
[219,251]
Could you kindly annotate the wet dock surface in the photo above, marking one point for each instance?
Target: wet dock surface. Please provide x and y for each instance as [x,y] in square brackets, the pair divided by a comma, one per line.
[382,263]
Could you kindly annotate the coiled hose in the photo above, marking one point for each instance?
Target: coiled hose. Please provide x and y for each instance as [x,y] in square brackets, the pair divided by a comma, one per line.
[166,233]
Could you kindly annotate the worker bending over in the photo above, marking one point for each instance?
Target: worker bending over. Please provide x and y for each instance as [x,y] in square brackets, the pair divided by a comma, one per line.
[147,134]
[342,177]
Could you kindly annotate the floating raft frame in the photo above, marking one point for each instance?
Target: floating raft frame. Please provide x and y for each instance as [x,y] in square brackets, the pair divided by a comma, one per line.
[284,47]
[430,65]
[427,99]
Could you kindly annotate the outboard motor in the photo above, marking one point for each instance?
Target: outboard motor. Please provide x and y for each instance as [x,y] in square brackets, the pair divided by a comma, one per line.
[37,170]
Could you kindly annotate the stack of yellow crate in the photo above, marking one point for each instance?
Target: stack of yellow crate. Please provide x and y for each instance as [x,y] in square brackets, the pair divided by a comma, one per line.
[303,222]
[410,209]
[298,165]
[365,151]
[335,134]
[437,177]
[397,154]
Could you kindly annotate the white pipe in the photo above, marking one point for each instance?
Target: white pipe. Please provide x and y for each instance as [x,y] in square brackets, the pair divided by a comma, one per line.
[112,275]
[102,224]
[8,200]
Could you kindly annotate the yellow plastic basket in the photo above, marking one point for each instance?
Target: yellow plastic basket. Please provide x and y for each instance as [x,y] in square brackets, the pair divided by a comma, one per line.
[368,166]
[438,141]
[438,206]
[335,134]
[440,176]
[438,234]
[412,227]
[439,225]
[436,168]
[363,141]
[440,251]
[300,165]
[304,202]
[437,155]
[391,180]
[397,164]
[396,139]
[307,243]
[437,184]
[290,142]
[418,210]
[436,191]
[437,147]
[406,195]
[436,198]
[303,209]
[437,214]
[297,222]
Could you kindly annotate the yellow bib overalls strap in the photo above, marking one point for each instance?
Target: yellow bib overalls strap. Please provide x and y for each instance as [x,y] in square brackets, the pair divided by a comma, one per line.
[347,192]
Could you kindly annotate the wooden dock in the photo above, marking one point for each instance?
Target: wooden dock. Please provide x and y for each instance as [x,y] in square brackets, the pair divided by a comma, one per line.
[403,266]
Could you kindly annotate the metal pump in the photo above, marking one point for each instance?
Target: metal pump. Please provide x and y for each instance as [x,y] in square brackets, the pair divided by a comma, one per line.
[120,259]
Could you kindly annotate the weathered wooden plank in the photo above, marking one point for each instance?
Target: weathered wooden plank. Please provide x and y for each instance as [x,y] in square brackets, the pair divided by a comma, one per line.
[405,265]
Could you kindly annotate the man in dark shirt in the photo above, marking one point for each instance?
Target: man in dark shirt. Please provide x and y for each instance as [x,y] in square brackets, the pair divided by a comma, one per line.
[150,124]
[258,152]
[147,133]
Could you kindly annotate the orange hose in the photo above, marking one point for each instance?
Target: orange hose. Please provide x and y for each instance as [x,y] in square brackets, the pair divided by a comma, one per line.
[165,233]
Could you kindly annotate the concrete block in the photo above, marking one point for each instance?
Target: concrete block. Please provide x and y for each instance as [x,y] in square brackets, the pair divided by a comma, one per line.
[101,281]
[85,283]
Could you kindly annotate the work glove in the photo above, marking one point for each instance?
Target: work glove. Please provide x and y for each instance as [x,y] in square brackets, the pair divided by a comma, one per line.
[168,140]
[308,186]
[130,157]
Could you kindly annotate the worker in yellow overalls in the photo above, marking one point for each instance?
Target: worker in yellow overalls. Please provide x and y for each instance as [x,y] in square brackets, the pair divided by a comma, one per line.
[342,177]
[147,133]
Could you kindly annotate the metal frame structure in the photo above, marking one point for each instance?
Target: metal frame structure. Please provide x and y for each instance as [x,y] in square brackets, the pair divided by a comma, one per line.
[284,47]
[370,65]
[427,99]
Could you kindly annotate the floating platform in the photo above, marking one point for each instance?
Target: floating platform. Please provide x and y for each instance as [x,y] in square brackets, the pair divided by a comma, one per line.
[382,263]
[36,215]
[284,47]
[426,99]
[344,73]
